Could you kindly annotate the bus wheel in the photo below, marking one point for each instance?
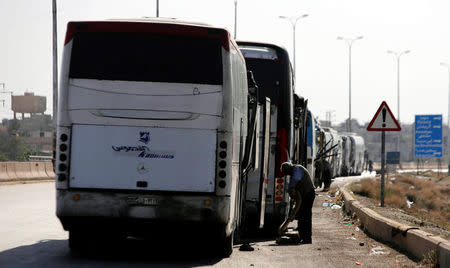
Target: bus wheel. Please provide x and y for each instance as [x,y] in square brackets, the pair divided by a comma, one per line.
[226,246]
[78,240]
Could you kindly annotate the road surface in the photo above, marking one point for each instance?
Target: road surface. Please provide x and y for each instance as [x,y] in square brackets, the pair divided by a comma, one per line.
[31,236]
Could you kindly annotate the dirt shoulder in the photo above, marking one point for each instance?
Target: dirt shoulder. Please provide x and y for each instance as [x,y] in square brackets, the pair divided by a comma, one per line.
[420,201]
[401,216]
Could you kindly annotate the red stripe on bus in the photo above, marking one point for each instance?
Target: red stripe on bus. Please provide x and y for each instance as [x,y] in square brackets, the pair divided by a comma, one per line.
[148,27]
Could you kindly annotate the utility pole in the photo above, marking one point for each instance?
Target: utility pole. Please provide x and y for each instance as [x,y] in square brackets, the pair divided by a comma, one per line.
[55,64]
[235,18]
[3,89]
[448,117]
[349,42]
[4,92]
[329,117]
[397,56]
[293,21]
[157,8]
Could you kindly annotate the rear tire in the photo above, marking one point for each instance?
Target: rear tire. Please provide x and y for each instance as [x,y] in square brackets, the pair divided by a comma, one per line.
[78,240]
[225,246]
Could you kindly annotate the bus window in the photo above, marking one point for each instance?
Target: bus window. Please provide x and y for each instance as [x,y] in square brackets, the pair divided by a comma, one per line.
[138,57]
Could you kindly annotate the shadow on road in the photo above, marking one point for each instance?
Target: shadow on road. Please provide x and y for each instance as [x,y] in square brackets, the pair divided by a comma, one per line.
[135,253]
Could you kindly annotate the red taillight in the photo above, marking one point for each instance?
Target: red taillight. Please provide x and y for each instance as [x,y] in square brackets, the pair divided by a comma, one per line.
[279,189]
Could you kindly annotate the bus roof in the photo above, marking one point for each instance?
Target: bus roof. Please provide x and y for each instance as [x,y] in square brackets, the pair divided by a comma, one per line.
[163,20]
[155,26]
[260,44]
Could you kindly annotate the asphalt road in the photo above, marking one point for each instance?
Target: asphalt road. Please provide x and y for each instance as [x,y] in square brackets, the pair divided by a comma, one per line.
[31,236]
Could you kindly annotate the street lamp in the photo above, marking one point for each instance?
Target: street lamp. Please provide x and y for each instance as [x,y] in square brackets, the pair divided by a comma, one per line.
[349,42]
[55,60]
[293,21]
[448,116]
[235,18]
[157,8]
[397,56]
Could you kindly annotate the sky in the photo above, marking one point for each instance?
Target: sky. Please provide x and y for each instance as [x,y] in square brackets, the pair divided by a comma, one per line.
[421,26]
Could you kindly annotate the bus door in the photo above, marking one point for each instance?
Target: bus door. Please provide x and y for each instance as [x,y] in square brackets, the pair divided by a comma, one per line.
[263,181]
[300,125]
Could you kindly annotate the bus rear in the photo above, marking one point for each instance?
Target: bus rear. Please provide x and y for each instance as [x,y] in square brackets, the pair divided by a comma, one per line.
[143,123]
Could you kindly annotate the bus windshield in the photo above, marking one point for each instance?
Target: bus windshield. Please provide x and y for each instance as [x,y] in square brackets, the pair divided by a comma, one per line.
[268,76]
[148,58]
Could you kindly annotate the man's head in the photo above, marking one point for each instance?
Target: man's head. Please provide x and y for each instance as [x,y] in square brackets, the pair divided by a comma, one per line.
[287,168]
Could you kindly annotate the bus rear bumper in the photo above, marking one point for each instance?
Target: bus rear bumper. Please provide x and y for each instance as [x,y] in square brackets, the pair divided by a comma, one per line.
[78,208]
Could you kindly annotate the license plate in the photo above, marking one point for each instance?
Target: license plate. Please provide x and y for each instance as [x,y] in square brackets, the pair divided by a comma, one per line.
[143,201]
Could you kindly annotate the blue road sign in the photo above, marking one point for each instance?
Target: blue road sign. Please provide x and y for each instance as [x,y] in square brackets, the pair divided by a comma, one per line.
[428,136]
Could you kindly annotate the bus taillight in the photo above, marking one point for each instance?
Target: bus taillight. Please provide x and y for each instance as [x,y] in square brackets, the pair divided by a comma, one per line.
[279,190]
[62,154]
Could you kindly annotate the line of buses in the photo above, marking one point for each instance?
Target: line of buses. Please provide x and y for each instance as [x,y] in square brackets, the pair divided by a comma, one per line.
[167,124]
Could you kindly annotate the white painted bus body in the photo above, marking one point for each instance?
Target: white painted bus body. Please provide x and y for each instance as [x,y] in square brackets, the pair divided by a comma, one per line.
[333,140]
[311,148]
[357,154]
[145,150]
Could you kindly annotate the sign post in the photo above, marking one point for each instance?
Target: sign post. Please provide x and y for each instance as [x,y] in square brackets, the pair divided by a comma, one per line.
[383,121]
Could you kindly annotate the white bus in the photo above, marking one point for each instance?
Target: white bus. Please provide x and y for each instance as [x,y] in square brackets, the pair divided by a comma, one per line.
[152,122]
[356,154]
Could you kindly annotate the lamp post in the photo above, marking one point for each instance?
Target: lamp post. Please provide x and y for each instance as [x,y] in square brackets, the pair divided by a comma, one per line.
[157,8]
[235,18]
[349,42]
[293,20]
[55,61]
[397,56]
[448,116]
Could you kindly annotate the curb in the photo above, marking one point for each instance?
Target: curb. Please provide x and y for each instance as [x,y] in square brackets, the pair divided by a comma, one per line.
[416,242]
[15,182]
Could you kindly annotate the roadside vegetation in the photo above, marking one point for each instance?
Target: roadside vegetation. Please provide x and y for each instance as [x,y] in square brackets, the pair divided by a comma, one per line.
[426,196]
[12,146]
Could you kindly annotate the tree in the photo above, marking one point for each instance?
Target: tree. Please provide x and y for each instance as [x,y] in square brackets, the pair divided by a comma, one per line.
[12,148]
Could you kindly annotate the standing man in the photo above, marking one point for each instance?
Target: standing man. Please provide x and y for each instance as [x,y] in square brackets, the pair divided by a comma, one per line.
[301,190]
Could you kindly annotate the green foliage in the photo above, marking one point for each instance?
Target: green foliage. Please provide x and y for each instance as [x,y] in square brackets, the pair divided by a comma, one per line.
[430,259]
[12,148]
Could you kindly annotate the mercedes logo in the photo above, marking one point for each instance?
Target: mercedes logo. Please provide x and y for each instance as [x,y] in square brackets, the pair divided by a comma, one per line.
[142,168]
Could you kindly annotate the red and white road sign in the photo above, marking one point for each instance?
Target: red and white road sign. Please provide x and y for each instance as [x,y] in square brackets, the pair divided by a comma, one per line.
[384,120]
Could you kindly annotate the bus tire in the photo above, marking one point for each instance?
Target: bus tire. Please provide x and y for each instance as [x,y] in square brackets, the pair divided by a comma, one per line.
[226,246]
[78,241]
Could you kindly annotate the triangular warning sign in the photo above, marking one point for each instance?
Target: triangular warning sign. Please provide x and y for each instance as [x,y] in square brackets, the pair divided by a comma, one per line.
[384,120]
